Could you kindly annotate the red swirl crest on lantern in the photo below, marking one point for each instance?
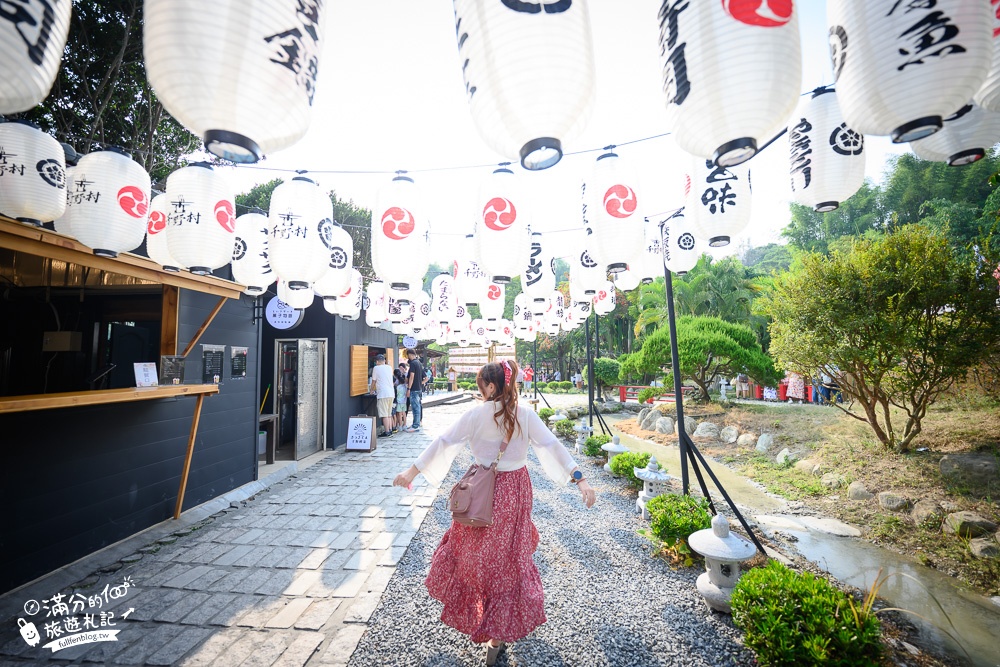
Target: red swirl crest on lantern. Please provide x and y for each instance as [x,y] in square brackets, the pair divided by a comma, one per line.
[157,222]
[687,184]
[620,201]
[499,214]
[760,13]
[493,293]
[225,215]
[397,223]
[133,201]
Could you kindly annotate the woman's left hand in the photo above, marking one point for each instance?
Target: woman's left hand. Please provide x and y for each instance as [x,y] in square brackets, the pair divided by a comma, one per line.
[588,494]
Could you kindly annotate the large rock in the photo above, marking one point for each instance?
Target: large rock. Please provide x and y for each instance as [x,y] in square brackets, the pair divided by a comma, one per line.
[665,425]
[832,480]
[968,524]
[892,501]
[642,415]
[984,547]
[978,472]
[808,466]
[649,421]
[689,426]
[746,440]
[764,442]
[729,434]
[707,430]
[857,491]
[785,456]
[927,513]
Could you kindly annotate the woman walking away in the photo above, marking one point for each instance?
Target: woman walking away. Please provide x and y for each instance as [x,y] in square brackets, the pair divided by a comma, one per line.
[486,577]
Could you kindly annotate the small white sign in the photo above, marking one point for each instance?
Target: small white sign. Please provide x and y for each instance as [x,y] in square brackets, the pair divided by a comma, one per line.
[282,316]
[409,341]
[361,434]
[145,374]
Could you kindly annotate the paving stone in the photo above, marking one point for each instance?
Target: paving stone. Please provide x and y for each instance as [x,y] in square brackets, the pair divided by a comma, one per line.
[210,608]
[234,554]
[230,581]
[382,541]
[277,582]
[344,541]
[257,578]
[163,575]
[187,577]
[229,615]
[378,580]
[206,654]
[257,556]
[362,607]
[190,554]
[324,539]
[349,586]
[263,609]
[268,650]
[361,560]
[300,650]
[315,558]
[289,613]
[241,649]
[342,645]
[403,539]
[210,554]
[154,601]
[317,615]
[174,649]
[102,652]
[175,612]
[147,644]
[249,537]
[390,557]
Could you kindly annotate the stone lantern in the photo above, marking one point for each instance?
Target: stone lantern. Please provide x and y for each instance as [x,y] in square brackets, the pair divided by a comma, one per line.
[613,448]
[583,431]
[723,554]
[557,417]
[654,483]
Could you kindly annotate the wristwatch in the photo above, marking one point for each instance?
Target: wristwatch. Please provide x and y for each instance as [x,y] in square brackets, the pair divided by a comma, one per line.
[576,477]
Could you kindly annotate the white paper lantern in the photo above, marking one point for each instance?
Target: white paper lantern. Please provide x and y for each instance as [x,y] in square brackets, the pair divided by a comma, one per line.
[443,298]
[299,299]
[156,235]
[826,157]
[902,67]
[529,74]
[491,301]
[470,279]
[502,227]
[610,210]
[375,311]
[422,309]
[250,263]
[33,170]
[62,224]
[109,206]
[731,74]
[348,304]
[337,277]
[399,233]
[201,218]
[718,201]
[988,96]
[650,264]
[301,239]
[538,279]
[240,75]
[680,248]
[584,269]
[605,300]
[966,137]
[557,308]
[32,40]
[627,280]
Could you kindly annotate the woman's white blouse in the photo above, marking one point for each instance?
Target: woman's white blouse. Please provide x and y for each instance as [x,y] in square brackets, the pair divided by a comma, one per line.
[484,437]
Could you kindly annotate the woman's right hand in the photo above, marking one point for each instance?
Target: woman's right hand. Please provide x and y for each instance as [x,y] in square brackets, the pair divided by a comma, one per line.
[405,478]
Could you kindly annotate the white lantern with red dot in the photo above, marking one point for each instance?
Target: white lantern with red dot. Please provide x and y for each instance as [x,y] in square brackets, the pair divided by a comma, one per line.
[337,278]
[376,312]
[502,227]
[605,300]
[348,304]
[537,278]
[32,40]
[718,201]
[201,218]
[505,332]
[300,242]
[570,322]
[901,68]
[399,234]
[109,206]
[988,96]
[443,298]
[529,74]
[156,236]
[967,136]
[826,157]
[33,170]
[731,74]
[296,298]
[250,263]
[557,308]
[240,75]
[680,247]
[610,211]
[491,301]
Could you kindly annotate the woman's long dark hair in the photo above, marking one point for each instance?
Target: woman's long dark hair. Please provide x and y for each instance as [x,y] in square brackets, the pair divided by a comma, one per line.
[505,416]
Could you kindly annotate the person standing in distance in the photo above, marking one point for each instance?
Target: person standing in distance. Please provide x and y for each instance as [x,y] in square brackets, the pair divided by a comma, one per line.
[384,394]
[414,382]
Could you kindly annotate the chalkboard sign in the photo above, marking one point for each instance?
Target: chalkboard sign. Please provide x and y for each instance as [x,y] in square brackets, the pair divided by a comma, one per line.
[361,434]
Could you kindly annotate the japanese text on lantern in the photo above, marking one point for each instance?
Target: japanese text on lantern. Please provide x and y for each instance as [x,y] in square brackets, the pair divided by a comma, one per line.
[717,199]
[33,22]
[930,36]
[297,49]
[801,149]
[676,85]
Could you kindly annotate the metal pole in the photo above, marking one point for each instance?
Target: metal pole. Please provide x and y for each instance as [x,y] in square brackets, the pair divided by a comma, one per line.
[590,373]
[676,367]
[597,336]
[534,366]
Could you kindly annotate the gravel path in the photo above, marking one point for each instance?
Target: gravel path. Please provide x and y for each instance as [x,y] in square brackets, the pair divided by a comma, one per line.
[608,602]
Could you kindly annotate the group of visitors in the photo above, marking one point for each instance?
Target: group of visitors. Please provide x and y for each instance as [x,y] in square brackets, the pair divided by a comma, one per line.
[397,392]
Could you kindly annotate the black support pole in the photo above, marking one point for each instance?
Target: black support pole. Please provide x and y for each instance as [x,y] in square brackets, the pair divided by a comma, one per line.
[590,373]
[534,366]
[675,368]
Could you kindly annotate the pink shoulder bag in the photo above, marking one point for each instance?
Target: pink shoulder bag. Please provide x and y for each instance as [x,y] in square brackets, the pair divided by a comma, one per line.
[471,499]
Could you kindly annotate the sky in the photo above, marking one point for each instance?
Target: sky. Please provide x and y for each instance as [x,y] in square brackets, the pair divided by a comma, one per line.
[390,96]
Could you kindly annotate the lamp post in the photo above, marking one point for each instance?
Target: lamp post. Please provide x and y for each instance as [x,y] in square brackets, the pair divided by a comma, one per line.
[723,552]
[654,483]
[583,432]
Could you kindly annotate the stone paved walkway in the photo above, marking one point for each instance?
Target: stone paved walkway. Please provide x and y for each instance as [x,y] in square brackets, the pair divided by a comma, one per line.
[288,577]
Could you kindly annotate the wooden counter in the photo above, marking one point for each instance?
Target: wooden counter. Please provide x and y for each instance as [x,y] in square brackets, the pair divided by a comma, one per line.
[72,399]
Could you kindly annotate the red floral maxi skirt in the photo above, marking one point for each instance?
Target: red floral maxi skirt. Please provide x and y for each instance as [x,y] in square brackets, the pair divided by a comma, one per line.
[485,577]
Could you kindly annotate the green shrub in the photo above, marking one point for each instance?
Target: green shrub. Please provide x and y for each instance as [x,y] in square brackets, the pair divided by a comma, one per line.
[542,385]
[672,518]
[545,413]
[565,385]
[564,428]
[648,393]
[592,446]
[799,619]
[623,464]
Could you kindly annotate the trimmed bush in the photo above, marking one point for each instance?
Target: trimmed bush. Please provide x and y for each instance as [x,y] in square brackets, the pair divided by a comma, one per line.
[592,446]
[672,518]
[623,464]
[799,619]
[648,393]
[542,385]
[565,385]
[564,428]
[545,413]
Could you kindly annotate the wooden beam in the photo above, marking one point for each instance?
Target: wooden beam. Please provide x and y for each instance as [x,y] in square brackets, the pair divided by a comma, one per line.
[169,320]
[204,326]
[72,399]
[188,456]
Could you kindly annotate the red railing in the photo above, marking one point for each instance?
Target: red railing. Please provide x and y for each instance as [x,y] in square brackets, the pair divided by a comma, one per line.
[631,393]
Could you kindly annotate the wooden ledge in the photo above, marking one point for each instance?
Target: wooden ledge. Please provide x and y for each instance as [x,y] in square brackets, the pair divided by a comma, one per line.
[71,399]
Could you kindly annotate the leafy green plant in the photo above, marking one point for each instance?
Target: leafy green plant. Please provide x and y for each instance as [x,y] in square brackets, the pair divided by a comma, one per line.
[545,413]
[592,445]
[565,385]
[797,619]
[624,463]
[645,395]
[542,385]
[672,518]
[564,428]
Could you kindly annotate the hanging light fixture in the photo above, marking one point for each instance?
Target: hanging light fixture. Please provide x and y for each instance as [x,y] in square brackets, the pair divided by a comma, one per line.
[529,74]
[399,233]
[375,311]
[301,239]
[537,278]
[109,205]
[605,300]
[901,69]
[627,280]
[470,279]
[557,308]
[240,75]
[717,201]
[491,302]
[650,264]
[680,248]
[610,210]
[299,299]
[348,304]
[826,157]
[32,40]
[250,264]
[502,229]
[337,277]
[201,218]
[156,235]
[731,74]
[33,166]
[443,298]
[988,96]
[967,136]
[589,273]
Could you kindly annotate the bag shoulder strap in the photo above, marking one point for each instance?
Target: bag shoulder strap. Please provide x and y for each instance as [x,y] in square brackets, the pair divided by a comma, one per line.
[503,448]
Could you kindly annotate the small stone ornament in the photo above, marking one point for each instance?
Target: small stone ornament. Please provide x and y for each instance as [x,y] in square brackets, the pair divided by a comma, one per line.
[583,431]
[613,448]
[654,483]
[723,554]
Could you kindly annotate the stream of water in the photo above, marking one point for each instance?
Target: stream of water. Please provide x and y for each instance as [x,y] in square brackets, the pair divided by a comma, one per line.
[972,619]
